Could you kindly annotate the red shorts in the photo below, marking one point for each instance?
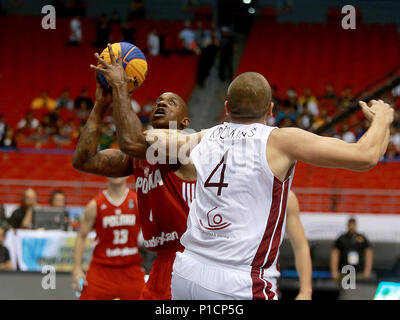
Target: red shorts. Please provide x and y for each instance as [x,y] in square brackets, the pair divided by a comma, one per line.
[110,282]
[158,287]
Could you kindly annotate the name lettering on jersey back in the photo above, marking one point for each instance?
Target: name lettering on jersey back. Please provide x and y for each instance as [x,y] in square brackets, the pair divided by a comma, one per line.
[148,183]
[232,133]
[117,252]
[120,220]
[159,241]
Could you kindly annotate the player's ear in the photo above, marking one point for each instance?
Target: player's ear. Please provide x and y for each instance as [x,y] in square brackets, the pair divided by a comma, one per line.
[227,109]
[269,109]
[185,122]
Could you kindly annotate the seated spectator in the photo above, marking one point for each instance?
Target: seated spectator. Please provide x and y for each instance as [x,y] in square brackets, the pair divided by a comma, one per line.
[57,199]
[3,126]
[28,124]
[188,36]
[48,125]
[352,248]
[84,96]
[5,262]
[39,137]
[82,113]
[309,102]
[62,136]
[329,93]
[345,98]
[8,141]
[108,135]
[391,152]
[22,216]
[348,135]
[153,43]
[43,101]
[64,101]
[395,137]
[75,31]
[135,105]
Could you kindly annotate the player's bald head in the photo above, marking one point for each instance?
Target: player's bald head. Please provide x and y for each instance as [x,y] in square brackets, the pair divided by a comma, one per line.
[249,96]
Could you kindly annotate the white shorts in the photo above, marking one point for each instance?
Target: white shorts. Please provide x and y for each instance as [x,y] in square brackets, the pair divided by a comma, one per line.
[194,278]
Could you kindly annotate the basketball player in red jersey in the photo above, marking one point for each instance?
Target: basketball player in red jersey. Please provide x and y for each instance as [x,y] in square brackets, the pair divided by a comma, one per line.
[164,191]
[115,270]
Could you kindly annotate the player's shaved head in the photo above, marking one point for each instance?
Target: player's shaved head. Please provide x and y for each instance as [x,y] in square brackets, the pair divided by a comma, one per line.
[249,96]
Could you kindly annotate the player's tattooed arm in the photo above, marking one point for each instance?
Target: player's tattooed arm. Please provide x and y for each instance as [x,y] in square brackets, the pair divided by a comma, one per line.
[87,158]
[131,139]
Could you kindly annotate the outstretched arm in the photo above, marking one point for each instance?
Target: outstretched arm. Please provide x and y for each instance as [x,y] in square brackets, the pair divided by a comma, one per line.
[291,144]
[131,139]
[300,247]
[110,162]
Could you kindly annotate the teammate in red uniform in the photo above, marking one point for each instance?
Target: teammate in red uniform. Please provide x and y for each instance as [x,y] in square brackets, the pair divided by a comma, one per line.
[115,270]
[164,191]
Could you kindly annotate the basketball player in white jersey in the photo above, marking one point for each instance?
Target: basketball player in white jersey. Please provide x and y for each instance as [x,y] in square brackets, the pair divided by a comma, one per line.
[244,173]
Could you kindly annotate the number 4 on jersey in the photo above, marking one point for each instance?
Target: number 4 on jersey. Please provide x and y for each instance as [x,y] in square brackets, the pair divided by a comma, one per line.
[221,183]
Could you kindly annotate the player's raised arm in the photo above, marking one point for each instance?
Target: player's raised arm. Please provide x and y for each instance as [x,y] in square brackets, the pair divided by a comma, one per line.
[296,144]
[110,162]
[131,139]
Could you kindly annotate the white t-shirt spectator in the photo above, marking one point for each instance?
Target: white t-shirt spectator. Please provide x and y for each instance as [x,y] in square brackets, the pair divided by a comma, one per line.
[395,139]
[349,137]
[188,37]
[135,105]
[153,42]
[34,123]
[76,30]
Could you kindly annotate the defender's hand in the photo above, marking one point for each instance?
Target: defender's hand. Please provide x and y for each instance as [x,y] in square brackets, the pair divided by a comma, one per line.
[375,107]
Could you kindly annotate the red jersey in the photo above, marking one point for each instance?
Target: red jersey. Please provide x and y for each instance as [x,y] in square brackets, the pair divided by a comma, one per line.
[117,229]
[163,200]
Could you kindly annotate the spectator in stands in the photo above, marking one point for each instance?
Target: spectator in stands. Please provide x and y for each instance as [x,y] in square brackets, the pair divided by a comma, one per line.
[202,36]
[345,98]
[391,152]
[188,38]
[136,10]
[352,248]
[43,101]
[103,30]
[8,140]
[329,93]
[347,134]
[62,136]
[64,101]
[84,96]
[28,124]
[75,31]
[227,46]
[22,216]
[82,113]
[135,105]
[153,43]
[57,199]
[207,59]
[3,126]
[39,137]
[309,102]
[128,32]
[395,137]
[5,262]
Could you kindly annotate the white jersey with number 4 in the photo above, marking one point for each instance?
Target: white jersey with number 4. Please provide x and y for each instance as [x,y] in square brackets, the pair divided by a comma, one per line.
[237,221]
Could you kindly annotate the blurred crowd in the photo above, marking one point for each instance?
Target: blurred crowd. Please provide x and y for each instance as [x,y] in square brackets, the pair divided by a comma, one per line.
[308,111]
[57,123]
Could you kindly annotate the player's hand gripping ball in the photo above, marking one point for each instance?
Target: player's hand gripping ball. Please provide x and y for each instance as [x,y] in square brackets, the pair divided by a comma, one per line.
[133,61]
